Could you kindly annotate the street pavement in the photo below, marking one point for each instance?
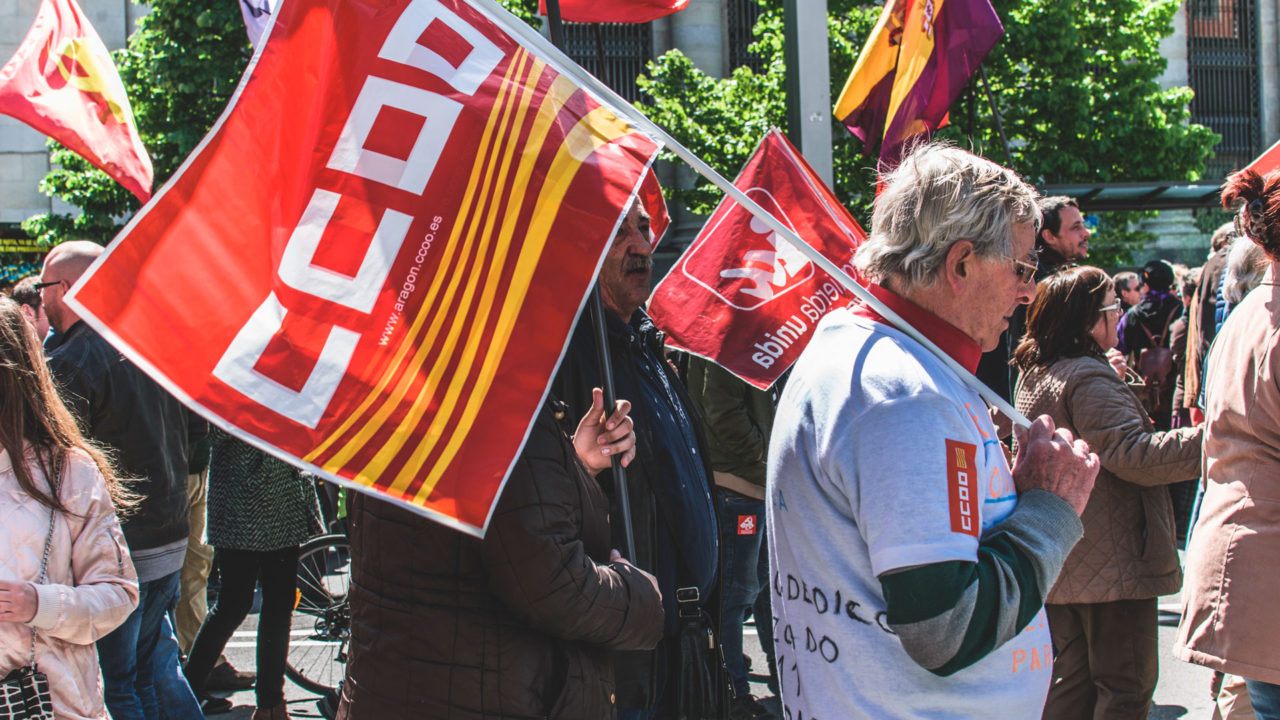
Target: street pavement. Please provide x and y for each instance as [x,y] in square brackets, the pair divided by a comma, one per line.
[1182,693]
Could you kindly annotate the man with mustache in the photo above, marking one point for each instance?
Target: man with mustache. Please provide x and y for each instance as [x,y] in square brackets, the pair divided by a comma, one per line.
[669,481]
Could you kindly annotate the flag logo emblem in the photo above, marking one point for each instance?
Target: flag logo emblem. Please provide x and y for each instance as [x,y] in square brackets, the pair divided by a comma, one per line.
[766,266]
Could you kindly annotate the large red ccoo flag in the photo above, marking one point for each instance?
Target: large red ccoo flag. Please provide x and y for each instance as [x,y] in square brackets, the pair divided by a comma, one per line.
[745,298]
[62,82]
[372,263]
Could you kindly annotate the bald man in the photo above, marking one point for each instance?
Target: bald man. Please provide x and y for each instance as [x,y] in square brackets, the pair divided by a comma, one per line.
[149,433]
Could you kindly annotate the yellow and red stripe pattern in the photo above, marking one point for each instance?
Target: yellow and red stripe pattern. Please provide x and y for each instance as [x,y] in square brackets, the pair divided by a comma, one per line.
[442,370]
[443,373]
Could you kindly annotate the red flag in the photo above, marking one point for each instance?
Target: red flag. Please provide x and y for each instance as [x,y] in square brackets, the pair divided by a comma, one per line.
[63,83]
[1267,161]
[745,298]
[615,11]
[384,290]
[914,65]
[656,205]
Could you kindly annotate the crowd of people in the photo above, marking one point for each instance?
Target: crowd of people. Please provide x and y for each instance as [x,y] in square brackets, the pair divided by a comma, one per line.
[906,551]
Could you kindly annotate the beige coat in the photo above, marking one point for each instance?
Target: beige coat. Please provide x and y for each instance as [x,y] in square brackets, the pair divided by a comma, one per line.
[91,586]
[1128,551]
[1229,617]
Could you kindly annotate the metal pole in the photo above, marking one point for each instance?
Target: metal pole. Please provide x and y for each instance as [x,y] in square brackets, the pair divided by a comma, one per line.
[565,65]
[596,309]
[808,82]
[991,100]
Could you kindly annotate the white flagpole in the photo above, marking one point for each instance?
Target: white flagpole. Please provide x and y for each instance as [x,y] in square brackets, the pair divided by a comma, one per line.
[567,66]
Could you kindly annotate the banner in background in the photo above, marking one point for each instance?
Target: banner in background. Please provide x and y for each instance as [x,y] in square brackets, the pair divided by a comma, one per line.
[615,11]
[743,297]
[374,260]
[63,83]
[656,205]
[1267,161]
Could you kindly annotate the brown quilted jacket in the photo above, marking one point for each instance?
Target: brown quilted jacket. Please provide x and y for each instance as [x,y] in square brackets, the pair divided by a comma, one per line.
[1128,551]
[521,624]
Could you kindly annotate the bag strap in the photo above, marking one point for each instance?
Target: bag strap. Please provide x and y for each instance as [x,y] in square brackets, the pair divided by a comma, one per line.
[1167,322]
[1163,333]
[44,561]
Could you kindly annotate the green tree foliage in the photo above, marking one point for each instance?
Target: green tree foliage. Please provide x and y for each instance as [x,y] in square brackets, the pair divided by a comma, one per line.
[722,120]
[180,68]
[1116,237]
[1075,82]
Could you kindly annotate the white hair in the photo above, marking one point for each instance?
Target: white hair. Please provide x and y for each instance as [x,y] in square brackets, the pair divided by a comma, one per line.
[1246,264]
[938,196]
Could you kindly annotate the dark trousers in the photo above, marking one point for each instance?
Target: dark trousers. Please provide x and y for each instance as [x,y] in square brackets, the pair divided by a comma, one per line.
[741,530]
[1106,662]
[241,571]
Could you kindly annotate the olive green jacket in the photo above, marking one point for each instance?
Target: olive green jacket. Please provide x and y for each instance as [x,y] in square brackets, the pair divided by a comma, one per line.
[737,419]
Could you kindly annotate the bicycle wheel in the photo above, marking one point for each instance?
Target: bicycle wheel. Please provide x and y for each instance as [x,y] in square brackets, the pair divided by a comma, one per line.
[321,627]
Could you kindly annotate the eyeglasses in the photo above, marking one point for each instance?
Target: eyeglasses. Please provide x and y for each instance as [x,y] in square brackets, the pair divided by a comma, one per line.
[1026,271]
[43,285]
[1108,308]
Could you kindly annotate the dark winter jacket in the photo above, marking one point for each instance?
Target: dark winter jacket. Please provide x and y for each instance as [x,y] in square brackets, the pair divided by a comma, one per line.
[521,624]
[669,482]
[738,419]
[149,431]
[1156,314]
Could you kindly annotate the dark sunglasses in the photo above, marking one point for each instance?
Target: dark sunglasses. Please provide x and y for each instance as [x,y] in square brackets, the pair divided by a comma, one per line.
[43,285]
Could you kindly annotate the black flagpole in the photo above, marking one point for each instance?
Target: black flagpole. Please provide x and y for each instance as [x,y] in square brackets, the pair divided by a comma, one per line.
[596,309]
[995,113]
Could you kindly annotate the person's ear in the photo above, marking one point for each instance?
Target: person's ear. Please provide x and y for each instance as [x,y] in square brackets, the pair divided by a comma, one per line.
[958,265]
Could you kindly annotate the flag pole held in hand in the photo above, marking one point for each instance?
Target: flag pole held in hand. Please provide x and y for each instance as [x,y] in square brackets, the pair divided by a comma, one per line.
[596,309]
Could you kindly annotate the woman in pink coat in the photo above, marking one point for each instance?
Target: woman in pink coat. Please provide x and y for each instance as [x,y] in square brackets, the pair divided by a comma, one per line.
[50,476]
[1229,618]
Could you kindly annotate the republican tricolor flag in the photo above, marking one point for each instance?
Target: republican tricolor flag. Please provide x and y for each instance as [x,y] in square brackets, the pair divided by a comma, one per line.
[915,63]
[62,82]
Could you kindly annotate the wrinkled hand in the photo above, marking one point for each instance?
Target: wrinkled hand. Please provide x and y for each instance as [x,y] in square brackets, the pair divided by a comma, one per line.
[598,439]
[1054,460]
[1118,362]
[616,557]
[17,601]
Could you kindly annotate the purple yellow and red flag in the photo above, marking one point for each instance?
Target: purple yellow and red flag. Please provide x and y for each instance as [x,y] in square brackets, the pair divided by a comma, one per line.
[914,65]
[615,11]
[372,263]
[63,83]
[745,298]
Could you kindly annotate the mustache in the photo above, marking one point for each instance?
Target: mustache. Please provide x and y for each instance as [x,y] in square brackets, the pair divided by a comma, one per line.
[637,263]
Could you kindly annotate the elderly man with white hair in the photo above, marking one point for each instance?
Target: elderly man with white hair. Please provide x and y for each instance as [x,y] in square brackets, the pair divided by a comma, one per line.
[911,563]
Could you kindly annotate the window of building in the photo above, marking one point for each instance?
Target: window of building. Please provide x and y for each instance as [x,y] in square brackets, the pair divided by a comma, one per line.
[1222,58]
[742,19]
[614,52]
